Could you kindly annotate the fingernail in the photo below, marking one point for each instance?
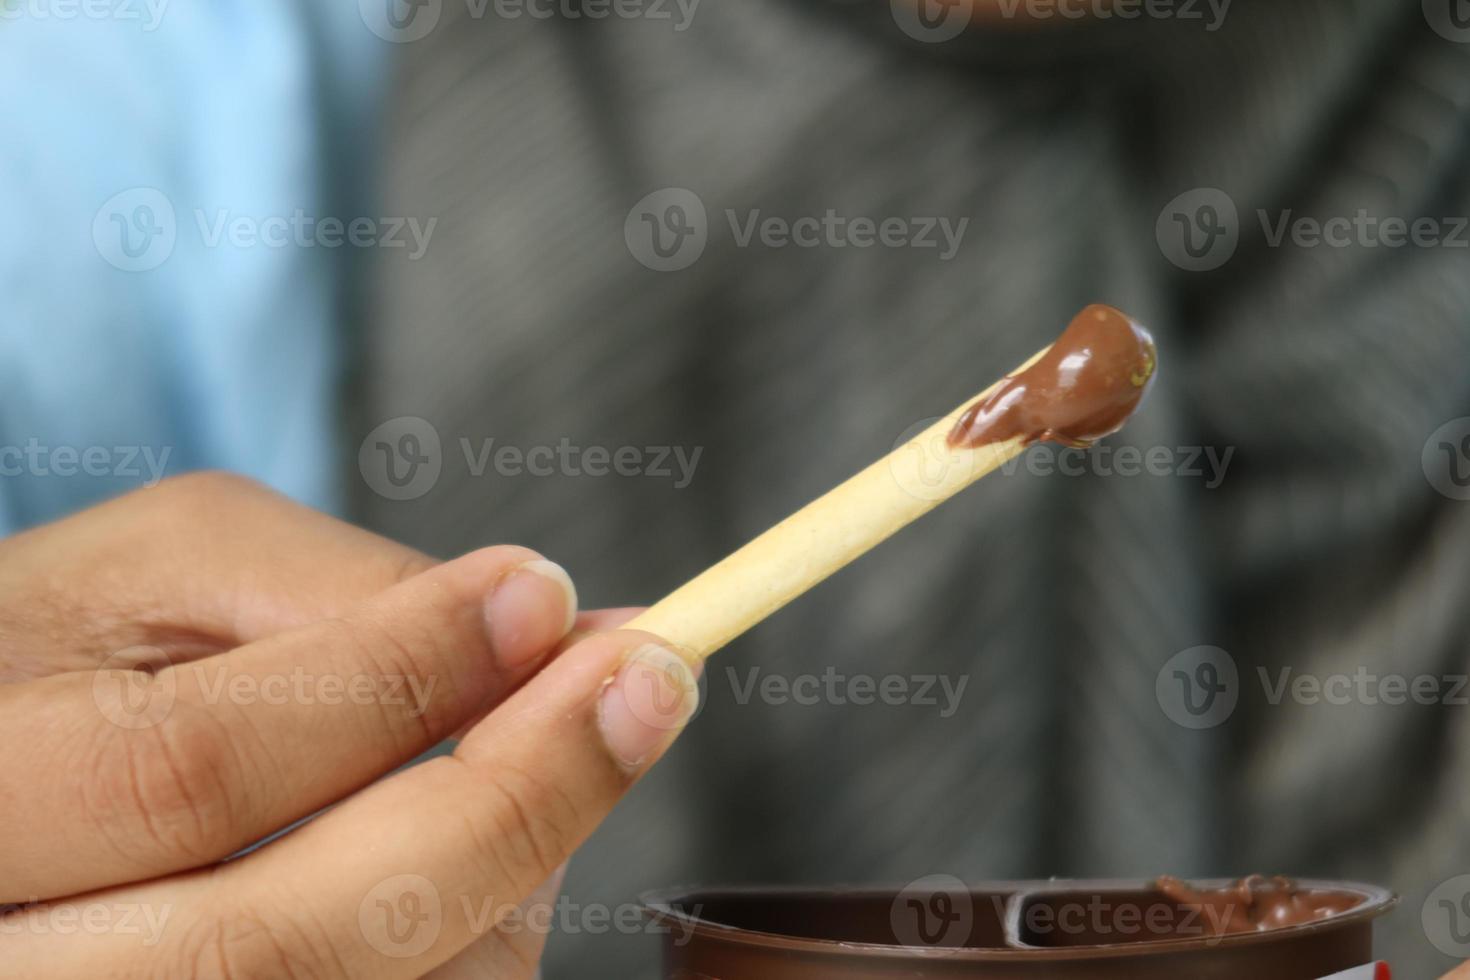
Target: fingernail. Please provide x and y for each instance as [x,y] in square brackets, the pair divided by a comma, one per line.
[649,701]
[529,611]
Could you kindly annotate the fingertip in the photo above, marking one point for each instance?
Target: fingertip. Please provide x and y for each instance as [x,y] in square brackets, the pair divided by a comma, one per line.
[529,611]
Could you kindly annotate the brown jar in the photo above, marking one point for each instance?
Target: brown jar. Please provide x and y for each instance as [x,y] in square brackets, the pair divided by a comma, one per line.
[1040,930]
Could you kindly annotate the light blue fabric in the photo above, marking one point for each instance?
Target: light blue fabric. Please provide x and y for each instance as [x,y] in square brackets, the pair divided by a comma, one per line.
[222,356]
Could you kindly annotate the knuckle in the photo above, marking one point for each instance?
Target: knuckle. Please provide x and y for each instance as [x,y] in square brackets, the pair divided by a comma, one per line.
[208,487]
[170,791]
[395,658]
[534,827]
[181,504]
[243,944]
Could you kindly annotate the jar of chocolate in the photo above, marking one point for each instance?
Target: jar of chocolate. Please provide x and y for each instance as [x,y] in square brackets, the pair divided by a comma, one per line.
[1252,929]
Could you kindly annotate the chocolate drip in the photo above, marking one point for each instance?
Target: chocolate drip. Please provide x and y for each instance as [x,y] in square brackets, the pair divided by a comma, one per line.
[1085,387]
[1257,904]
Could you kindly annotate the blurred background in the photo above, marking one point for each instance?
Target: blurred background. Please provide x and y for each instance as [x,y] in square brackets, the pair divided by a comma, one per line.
[629,281]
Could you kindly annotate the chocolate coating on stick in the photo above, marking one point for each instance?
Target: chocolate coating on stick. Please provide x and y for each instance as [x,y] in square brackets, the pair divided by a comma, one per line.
[1257,904]
[1085,387]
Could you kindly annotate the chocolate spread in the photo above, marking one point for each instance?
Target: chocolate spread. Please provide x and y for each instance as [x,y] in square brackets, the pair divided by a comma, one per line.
[1257,903]
[1083,388]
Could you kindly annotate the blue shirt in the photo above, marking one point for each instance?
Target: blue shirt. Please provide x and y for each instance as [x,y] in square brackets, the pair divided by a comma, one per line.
[144,330]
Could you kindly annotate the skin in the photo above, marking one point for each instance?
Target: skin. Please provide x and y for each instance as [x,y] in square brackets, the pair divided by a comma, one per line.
[227,585]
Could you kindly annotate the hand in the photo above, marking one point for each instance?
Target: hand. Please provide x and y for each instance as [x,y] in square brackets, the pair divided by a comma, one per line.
[293,660]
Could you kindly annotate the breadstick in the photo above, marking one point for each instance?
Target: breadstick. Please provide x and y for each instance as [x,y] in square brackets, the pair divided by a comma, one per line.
[1084,386]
